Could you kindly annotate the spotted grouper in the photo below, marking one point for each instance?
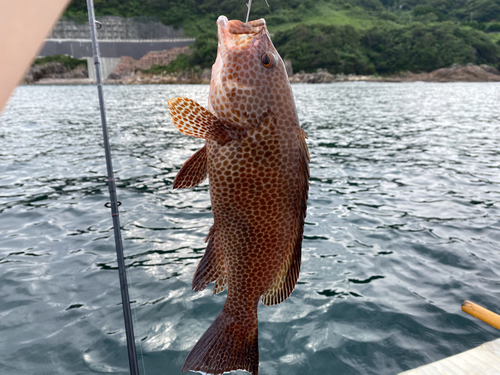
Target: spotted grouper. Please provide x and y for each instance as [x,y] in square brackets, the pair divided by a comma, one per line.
[256,159]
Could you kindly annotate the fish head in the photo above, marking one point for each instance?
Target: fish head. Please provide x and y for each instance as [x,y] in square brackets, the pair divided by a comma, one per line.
[249,77]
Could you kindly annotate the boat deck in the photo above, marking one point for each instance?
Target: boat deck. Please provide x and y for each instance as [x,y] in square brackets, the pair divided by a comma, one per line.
[483,360]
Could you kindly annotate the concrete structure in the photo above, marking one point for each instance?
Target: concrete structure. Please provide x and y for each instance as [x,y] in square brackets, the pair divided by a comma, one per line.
[126,65]
[483,360]
[108,64]
[118,37]
[117,28]
[81,48]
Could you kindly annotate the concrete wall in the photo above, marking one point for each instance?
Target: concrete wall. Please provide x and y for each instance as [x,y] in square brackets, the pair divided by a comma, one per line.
[108,64]
[81,48]
[118,37]
[114,27]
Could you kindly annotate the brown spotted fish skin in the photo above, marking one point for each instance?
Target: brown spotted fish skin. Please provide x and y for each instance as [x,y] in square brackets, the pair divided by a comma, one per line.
[256,159]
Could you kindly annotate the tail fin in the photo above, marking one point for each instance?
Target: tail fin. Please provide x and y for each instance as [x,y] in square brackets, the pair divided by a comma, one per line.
[228,344]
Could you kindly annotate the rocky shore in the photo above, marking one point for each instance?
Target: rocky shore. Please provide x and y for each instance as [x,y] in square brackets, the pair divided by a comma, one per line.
[138,78]
[55,73]
[455,73]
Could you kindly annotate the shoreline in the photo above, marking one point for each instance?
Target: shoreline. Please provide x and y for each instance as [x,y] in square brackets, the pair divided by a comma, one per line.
[467,73]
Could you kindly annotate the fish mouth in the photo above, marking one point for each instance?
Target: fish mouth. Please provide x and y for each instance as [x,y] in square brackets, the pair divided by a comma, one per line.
[236,34]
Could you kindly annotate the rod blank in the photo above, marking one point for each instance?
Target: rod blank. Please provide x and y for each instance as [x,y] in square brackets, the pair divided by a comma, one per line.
[127,315]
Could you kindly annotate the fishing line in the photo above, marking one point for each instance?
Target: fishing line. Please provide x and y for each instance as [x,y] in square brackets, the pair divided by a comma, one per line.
[249,5]
[129,330]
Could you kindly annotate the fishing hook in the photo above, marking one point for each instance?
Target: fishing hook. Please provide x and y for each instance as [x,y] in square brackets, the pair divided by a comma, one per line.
[262,32]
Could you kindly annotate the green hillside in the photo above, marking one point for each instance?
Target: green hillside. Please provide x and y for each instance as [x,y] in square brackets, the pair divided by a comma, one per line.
[342,36]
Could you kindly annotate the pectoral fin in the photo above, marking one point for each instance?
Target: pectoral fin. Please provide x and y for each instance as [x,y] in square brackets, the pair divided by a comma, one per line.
[193,171]
[194,120]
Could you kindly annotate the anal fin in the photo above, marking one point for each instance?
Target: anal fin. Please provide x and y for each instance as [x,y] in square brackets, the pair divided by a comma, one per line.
[211,267]
[193,171]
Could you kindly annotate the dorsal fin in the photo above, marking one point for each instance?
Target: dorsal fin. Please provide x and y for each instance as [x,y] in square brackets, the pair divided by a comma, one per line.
[193,171]
[287,277]
[211,267]
[194,120]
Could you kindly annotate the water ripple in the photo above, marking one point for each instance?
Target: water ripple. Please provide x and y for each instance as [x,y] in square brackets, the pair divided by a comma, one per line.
[402,226]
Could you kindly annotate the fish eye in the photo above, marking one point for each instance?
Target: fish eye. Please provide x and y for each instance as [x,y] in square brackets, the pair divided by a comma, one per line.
[268,60]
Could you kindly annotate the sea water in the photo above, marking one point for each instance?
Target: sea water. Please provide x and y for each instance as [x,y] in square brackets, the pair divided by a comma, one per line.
[402,226]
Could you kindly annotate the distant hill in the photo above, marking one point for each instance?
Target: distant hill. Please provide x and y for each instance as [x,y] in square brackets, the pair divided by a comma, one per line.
[351,36]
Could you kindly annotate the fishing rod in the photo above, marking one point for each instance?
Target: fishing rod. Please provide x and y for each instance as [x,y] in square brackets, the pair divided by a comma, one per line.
[127,315]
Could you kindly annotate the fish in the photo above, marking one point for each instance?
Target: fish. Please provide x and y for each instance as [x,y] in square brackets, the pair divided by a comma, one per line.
[257,162]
